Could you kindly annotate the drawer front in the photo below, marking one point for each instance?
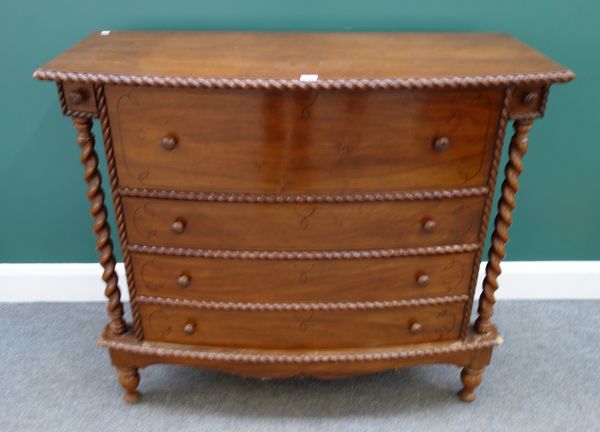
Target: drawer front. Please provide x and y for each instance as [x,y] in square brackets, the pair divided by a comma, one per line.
[302,281]
[302,226]
[301,329]
[256,141]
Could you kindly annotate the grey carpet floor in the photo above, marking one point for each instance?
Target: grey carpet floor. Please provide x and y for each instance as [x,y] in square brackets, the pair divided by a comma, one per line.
[546,377]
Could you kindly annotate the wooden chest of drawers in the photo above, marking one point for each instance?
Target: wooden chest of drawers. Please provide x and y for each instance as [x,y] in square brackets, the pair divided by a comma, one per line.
[302,204]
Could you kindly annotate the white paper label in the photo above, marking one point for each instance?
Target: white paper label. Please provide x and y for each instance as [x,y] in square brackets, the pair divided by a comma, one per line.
[104,32]
[309,77]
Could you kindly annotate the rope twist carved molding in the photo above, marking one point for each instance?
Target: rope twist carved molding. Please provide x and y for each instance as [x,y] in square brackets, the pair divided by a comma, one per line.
[526,116]
[305,198]
[240,357]
[61,96]
[500,134]
[119,216]
[104,245]
[510,186]
[165,301]
[332,84]
[300,255]
[80,114]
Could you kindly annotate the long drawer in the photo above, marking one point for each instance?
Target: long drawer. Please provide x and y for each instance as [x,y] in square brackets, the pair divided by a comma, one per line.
[255,141]
[301,329]
[302,226]
[276,281]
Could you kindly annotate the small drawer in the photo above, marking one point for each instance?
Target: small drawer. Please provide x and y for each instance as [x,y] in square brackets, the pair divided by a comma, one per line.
[256,141]
[301,329]
[528,100]
[302,281]
[302,226]
[79,97]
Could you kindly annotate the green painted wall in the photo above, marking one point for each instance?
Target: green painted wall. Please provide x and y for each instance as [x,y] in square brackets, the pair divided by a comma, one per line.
[43,213]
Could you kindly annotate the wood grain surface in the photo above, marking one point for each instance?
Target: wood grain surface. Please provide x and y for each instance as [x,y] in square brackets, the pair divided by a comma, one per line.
[302,329]
[474,350]
[252,226]
[302,141]
[302,280]
[288,55]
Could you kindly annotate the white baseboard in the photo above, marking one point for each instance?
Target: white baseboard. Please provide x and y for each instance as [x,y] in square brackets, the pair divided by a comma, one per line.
[550,280]
[55,282]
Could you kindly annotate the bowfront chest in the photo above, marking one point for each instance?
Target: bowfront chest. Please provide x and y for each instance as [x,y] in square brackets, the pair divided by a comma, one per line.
[302,204]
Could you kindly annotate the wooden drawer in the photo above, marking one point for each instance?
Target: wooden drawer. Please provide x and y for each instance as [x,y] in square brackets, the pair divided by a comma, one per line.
[256,141]
[276,281]
[302,226]
[301,329]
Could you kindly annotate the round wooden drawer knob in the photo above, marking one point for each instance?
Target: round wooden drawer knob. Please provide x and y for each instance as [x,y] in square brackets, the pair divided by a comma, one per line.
[416,327]
[423,280]
[429,225]
[168,142]
[184,280]
[178,226]
[76,97]
[441,144]
[189,329]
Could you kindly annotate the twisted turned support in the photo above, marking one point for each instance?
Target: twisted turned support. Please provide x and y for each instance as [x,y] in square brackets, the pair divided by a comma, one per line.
[510,186]
[104,245]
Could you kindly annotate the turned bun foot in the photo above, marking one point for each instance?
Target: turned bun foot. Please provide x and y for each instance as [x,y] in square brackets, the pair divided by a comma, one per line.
[129,380]
[471,378]
[466,395]
[132,397]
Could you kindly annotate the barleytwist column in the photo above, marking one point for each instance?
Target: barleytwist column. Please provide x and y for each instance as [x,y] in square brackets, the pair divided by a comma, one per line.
[104,245]
[510,186]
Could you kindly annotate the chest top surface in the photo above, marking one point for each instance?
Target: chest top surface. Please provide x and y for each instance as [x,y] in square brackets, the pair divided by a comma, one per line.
[263,59]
